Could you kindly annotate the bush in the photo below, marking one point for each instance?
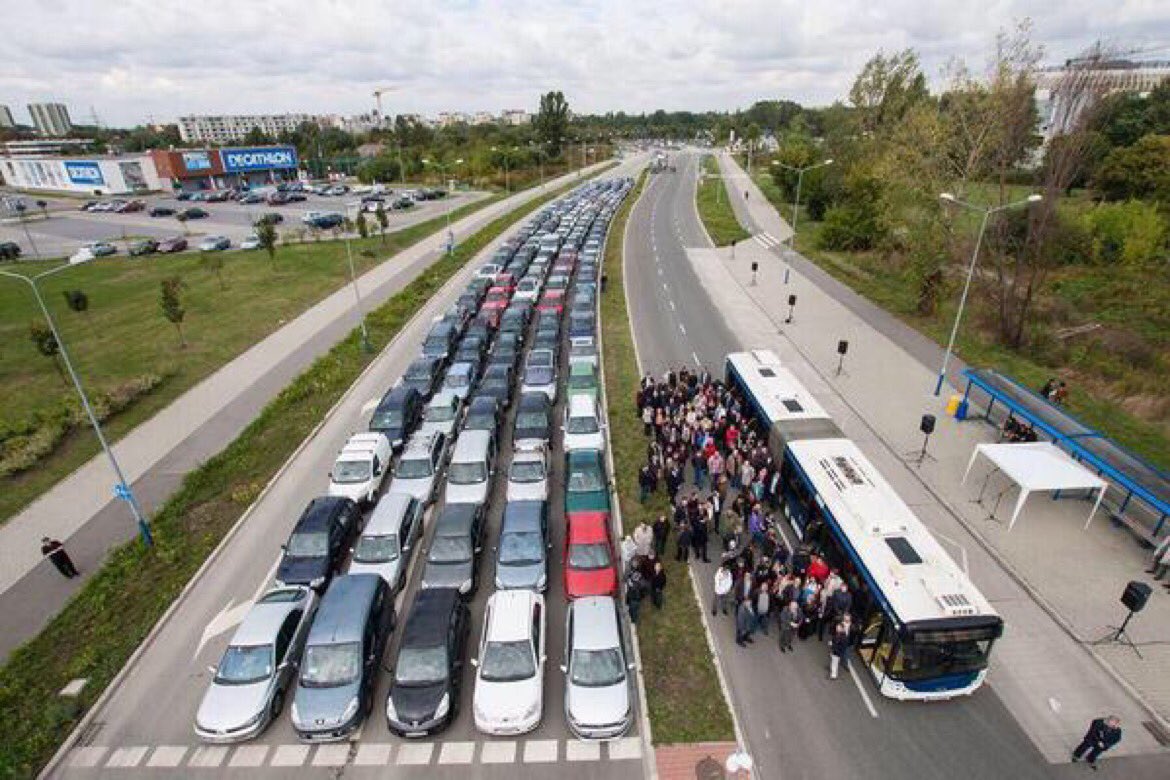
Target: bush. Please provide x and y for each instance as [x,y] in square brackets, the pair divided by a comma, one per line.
[1133,233]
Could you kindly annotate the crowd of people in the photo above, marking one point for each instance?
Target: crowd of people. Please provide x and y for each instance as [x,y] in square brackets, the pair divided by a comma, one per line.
[710,456]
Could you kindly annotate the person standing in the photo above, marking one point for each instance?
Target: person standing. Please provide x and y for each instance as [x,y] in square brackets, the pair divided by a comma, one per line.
[657,584]
[745,619]
[839,646]
[763,607]
[1160,560]
[699,537]
[723,583]
[683,541]
[55,552]
[1102,735]
[661,529]
[647,483]
[643,539]
[635,592]
[789,623]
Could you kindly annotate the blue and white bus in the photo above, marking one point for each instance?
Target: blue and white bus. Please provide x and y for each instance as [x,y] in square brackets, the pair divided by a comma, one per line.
[926,632]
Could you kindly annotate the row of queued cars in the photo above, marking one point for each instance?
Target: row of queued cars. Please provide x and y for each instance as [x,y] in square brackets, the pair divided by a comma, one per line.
[319,636]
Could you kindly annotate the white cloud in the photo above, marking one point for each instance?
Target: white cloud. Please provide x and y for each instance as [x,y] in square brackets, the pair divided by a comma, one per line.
[134,59]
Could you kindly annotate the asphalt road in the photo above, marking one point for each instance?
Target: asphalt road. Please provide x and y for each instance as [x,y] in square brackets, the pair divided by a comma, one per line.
[145,722]
[797,723]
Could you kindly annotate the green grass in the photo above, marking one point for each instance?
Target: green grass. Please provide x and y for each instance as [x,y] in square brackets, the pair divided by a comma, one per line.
[715,207]
[684,699]
[94,635]
[123,335]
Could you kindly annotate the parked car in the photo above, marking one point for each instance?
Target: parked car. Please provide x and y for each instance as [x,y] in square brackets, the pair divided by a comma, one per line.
[387,543]
[540,379]
[423,374]
[588,556]
[419,466]
[497,383]
[259,666]
[460,379]
[483,414]
[586,486]
[442,414]
[583,428]
[506,350]
[323,220]
[509,680]
[251,241]
[101,248]
[583,349]
[215,244]
[193,212]
[361,467]
[146,246]
[318,542]
[335,690]
[171,245]
[428,670]
[453,557]
[397,415]
[161,211]
[440,340]
[522,554]
[528,474]
[473,463]
[597,680]
[582,380]
[532,425]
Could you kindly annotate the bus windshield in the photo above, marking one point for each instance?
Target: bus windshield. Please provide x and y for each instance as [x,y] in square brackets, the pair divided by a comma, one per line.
[928,654]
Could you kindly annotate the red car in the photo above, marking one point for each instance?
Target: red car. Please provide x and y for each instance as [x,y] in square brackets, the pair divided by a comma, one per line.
[497,298]
[506,280]
[552,300]
[168,245]
[490,318]
[589,557]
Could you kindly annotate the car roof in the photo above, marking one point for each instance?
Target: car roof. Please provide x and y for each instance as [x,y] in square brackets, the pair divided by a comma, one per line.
[397,396]
[582,368]
[534,401]
[264,619]
[320,512]
[482,403]
[471,444]
[581,405]
[522,516]
[387,514]
[420,443]
[443,398]
[455,519]
[584,458]
[363,442]
[595,625]
[430,615]
[341,617]
[511,612]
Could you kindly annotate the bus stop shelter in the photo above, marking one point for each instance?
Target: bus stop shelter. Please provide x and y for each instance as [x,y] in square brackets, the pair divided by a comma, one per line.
[1037,467]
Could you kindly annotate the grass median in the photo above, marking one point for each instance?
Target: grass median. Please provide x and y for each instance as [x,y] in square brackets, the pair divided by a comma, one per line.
[683,695]
[714,206]
[99,629]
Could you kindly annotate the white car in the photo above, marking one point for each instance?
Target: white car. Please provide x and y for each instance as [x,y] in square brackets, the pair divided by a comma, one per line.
[597,680]
[442,414]
[540,379]
[419,466]
[583,428]
[360,468]
[251,241]
[388,540]
[509,678]
[527,289]
[488,271]
[215,244]
[528,475]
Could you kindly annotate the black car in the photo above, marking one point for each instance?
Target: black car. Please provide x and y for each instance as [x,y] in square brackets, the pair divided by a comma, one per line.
[317,545]
[473,347]
[161,211]
[506,350]
[428,671]
[269,218]
[424,375]
[483,414]
[497,382]
[533,418]
[146,246]
[453,557]
[440,340]
[193,213]
[9,250]
[398,414]
[547,339]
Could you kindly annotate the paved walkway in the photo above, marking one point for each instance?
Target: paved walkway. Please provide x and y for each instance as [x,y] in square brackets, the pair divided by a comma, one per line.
[1062,583]
[81,509]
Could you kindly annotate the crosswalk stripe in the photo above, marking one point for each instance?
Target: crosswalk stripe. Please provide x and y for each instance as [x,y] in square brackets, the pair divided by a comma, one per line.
[576,750]
[416,754]
[249,756]
[540,751]
[289,755]
[208,756]
[168,756]
[373,754]
[86,757]
[457,753]
[126,757]
[331,755]
[498,752]
[625,748]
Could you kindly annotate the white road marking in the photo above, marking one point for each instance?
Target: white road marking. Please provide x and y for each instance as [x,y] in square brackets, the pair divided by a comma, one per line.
[87,757]
[457,753]
[331,755]
[576,750]
[625,748]
[415,754]
[208,756]
[228,617]
[249,756]
[373,754]
[370,405]
[290,755]
[126,757]
[497,753]
[695,355]
[540,751]
[861,689]
[169,756]
[660,270]
[664,288]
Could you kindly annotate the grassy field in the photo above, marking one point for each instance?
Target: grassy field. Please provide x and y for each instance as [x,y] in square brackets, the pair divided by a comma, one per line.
[123,336]
[683,695]
[103,624]
[715,207]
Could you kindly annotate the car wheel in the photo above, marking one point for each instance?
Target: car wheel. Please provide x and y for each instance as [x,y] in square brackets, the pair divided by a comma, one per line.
[277,704]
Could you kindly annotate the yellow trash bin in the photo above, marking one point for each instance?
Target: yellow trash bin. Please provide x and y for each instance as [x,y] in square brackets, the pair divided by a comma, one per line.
[953,404]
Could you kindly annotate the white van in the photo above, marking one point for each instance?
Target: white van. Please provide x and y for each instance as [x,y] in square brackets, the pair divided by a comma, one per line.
[360,468]
[583,428]
[388,540]
[469,476]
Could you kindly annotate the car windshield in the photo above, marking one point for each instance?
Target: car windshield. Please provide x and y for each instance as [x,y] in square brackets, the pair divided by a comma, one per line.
[531,420]
[508,661]
[308,545]
[589,556]
[521,549]
[326,666]
[582,380]
[450,549]
[350,471]
[419,373]
[467,473]
[597,668]
[242,665]
[584,480]
[538,375]
[480,422]
[440,413]
[421,665]
[414,468]
[583,424]
[376,549]
[526,471]
[582,351]
[391,418]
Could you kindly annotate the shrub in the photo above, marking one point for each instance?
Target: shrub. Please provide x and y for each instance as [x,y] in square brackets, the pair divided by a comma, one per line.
[1133,233]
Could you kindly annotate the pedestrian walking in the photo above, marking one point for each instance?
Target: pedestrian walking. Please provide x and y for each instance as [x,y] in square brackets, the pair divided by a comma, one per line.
[683,549]
[657,584]
[745,619]
[647,483]
[723,583]
[789,623]
[1102,735]
[839,646]
[55,552]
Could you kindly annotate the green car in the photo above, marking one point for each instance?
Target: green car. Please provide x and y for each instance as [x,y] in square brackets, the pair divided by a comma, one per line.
[586,488]
[583,380]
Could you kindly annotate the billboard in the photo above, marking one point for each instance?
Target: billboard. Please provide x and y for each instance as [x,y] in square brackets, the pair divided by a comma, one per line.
[263,158]
[197,161]
[84,172]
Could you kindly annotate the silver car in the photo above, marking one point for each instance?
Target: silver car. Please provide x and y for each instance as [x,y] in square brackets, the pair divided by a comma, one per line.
[528,474]
[420,466]
[254,674]
[442,414]
[522,557]
[389,538]
[540,379]
[597,680]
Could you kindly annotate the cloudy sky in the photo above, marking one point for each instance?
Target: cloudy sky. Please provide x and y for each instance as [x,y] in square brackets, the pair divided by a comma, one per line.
[135,60]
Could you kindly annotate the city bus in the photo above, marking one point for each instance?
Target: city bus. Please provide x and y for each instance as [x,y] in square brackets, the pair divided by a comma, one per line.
[925,631]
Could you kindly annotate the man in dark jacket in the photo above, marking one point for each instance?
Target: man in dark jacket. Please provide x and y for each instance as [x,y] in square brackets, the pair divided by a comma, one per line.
[661,530]
[635,592]
[1102,735]
[647,482]
[55,552]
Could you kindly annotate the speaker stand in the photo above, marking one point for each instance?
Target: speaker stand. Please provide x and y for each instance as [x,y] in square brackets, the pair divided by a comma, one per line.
[1120,637]
[920,455]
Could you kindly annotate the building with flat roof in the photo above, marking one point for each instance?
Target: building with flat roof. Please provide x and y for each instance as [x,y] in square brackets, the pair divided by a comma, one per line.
[226,129]
[515,116]
[231,167]
[6,119]
[91,175]
[50,119]
[1057,85]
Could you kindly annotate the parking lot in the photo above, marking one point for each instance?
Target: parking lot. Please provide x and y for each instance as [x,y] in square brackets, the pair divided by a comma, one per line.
[67,228]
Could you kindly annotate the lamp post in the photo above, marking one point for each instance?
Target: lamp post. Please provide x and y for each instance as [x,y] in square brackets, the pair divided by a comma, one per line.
[799,181]
[443,170]
[20,209]
[987,212]
[122,489]
[401,168]
[357,295]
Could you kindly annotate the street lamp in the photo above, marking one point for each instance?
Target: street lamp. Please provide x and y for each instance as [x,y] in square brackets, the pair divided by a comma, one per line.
[799,181]
[504,153]
[443,170]
[357,295]
[122,489]
[987,212]
[20,209]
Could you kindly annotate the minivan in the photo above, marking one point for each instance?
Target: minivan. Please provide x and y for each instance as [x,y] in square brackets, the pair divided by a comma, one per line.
[389,538]
[472,466]
[335,689]
[360,468]
[522,555]
[318,542]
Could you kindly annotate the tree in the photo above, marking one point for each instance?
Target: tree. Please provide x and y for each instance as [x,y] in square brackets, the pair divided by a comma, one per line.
[213,261]
[1138,171]
[257,137]
[77,300]
[363,227]
[171,303]
[552,121]
[266,235]
[46,344]
[886,88]
[383,221]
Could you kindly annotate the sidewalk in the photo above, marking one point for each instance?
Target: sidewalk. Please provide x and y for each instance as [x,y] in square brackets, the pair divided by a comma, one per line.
[1064,583]
[159,452]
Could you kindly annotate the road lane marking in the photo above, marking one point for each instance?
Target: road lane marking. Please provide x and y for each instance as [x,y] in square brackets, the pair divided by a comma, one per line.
[625,748]
[126,757]
[695,355]
[457,753]
[229,617]
[497,753]
[671,305]
[576,750]
[664,289]
[289,755]
[331,755]
[373,754]
[208,756]
[540,751]
[416,754]
[861,689]
[87,757]
[682,328]
[248,756]
[169,756]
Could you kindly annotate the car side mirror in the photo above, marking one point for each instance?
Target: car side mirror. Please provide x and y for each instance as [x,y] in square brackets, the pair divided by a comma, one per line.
[631,666]
[213,669]
[564,669]
[474,662]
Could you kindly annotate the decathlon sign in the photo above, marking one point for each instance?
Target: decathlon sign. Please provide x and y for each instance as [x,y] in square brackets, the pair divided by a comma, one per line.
[197,161]
[84,172]
[260,159]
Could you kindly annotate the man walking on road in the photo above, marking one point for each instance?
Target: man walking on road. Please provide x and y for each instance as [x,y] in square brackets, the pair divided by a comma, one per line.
[1102,735]
[56,553]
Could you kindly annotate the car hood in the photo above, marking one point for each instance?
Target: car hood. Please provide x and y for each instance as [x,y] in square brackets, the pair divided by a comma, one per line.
[355,491]
[227,708]
[511,577]
[529,436]
[301,571]
[387,571]
[446,575]
[528,491]
[507,702]
[322,708]
[594,502]
[585,441]
[416,704]
[444,428]
[592,582]
[598,706]
[419,489]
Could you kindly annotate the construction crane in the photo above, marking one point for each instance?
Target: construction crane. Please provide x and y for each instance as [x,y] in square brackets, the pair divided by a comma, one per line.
[378,97]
